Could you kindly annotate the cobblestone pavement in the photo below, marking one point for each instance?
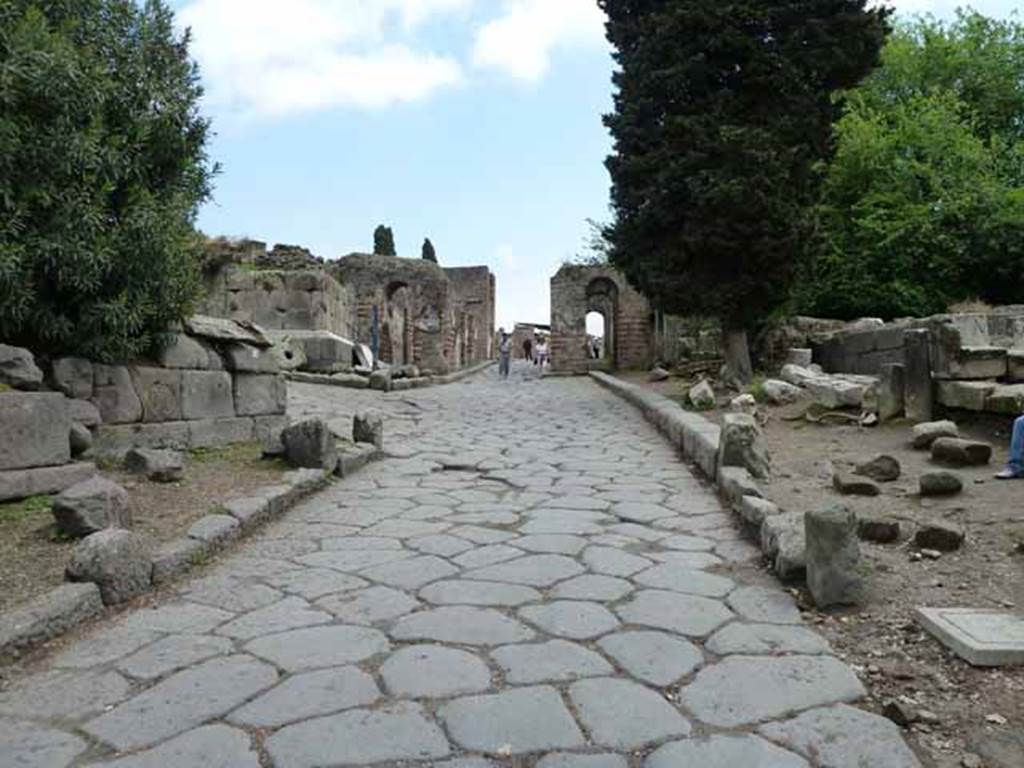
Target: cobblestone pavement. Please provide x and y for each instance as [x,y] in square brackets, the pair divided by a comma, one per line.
[532,579]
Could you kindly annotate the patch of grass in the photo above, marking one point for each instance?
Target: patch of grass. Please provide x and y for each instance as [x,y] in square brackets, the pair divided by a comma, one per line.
[248,455]
[756,389]
[16,510]
[4,387]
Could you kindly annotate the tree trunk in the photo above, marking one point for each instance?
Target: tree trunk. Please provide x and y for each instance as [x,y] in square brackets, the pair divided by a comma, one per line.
[737,355]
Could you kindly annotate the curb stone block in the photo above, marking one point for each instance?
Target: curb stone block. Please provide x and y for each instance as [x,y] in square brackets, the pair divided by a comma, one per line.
[48,616]
[217,531]
[174,558]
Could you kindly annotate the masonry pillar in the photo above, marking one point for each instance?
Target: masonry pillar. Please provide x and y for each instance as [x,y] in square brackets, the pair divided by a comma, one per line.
[917,372]
[891,391]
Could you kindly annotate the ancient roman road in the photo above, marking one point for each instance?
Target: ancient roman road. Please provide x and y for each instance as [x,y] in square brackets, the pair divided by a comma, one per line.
[532,578]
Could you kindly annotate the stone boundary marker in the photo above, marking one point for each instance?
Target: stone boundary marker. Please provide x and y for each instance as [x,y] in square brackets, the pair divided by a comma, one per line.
[355,381]
[68,605]
[984,638]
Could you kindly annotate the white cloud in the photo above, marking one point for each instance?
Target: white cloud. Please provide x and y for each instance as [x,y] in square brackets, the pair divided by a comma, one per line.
[270,57]
[520,41]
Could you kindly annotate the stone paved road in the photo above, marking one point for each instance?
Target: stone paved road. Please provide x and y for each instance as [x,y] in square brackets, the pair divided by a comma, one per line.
[533,579]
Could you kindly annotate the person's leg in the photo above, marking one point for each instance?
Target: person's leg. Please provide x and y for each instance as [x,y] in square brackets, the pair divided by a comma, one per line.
[1017,446]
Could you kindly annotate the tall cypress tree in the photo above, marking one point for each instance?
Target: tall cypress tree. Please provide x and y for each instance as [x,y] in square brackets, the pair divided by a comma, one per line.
[429,254]
[723,114]
[383,241]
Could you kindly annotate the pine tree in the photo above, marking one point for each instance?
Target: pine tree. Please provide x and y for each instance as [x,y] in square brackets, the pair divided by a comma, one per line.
[429,254]
[723,114]
[384,241]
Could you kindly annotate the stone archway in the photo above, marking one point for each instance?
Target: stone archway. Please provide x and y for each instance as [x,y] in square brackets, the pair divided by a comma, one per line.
[603,298]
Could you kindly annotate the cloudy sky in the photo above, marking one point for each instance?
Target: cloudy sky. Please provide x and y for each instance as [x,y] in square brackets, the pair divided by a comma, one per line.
[476,123]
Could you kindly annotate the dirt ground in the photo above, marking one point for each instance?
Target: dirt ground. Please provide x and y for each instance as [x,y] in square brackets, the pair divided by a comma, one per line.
[33,554]
[964,712]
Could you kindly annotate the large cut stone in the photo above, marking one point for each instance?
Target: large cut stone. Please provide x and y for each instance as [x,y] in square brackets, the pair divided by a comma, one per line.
[18,368]
[512,722]
[158,466]
[553,661]
[891,391]
[73,376]
[927,433]
[622,714]
[961,453]
[48,615]
[212,746]
[260,394]
[35,428]
[985,638]
[742,445]
[91,506]
[781,392]
[917,375]
[940,484]
[309,694]
[243,358]
[114,394]
[435,672]
[116,561]
[783,541]
[965,395]
[182,701]
[833,557]
[310,444]
[159,390]
[206,395]
[685,614]
[844,737]
[848,485]
[396,733]
[746,689]
[765,639]
[654,657]
[720,751]
[185,352]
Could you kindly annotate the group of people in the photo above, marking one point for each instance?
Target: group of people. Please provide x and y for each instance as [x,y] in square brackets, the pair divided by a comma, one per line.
[538,353]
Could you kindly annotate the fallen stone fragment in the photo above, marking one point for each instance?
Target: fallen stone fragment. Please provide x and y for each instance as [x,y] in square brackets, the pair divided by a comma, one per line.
[743,404]
[982,637]
[882,468]
[940,484]
[782,541]
[851,486]
[368,427]
[310,444]
[961,453]
[781,392]
[833,557]
[742,445]
[927,433]
[881,530]
[702,396]
[91,506]
[658,374]
[158,466]
[80,439]
[18,368]
[116,561]
[381,379]
[900,712]
[941,536]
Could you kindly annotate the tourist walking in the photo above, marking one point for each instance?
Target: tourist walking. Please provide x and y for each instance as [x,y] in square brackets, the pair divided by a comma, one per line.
[541,353]
[504,353]
[1015,466]
[528,349]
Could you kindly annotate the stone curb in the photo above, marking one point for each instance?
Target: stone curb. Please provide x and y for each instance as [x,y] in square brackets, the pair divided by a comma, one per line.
[397,385]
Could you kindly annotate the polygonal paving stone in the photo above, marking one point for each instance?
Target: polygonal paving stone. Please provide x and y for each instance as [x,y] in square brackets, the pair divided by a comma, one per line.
[406,529]
[747,689]
[691,560]
[359,543]
[282,549]
[533,570]
[212,746]
[103,647]
[483,556]
[231,594]
[353,561]
[400,731]
[677,579]
[464,762]
[766,639]
[319,647]
[512,722]
[63,695]
[182,701]
[738,551]
[26,745]
[311,583]
[485,518]
[440,544]
[844,737]
[259,568]
[463,625]
[554,544]
[614,562]
[593,587]
[577,501]
[625,715]
[433,671]
[688,543]
[410,574]
[290,613]
[553,661]
[465,592]
[689,615]
[575,619]
[369,606]
[637,532]
[307,695]
[641,512]
[654,657]
[763,604]
[725,752]
[177,617]
[566,760]
[172,653]
[560,525]
[480,535]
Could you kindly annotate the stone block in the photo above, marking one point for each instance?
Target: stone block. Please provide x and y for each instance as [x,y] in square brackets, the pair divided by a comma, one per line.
[351,460]
[881,530]
[310,444]
[735,483]
[267,430]
[207,433]
[216,531]
[891,391]
[206,395]
[832,557]
[48,616]
[848,485]
[961,453]
[116,561]
[702,396]
[940,484]
[159,391]
[883,468]
[831,392]
[115,439]
[965,395]
[742,445]
[982,637]
[797,375]
[176,557]
[249,511]
[1015,365]
[160,466]
[24,483]
[381,379]
[73,376]
[80,439]
[243,358]
[940,536]
[368,427]
[917,374]
[981,362]
[185,352]
[35,428]
[18,368]
[84,412]
[783,542]
[260,394]
[290,356]
[114,394]
[800,356]
[1007,399]
[927,433]
[753,510]
[90,506]
[781,392]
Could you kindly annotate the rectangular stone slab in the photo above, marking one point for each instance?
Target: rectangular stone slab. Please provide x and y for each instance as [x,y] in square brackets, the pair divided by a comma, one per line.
[982,637]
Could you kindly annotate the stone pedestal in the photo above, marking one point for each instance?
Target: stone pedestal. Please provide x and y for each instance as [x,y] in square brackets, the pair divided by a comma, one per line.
[891,391]
[833,556]
[917,374]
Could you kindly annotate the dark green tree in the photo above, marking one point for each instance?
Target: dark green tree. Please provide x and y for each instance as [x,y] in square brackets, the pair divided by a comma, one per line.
[428,251]
[723,114]
[384,241]
[103,165]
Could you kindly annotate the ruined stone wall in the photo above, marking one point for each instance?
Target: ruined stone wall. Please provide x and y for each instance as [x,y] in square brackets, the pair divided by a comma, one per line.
[473,289]
[577,290]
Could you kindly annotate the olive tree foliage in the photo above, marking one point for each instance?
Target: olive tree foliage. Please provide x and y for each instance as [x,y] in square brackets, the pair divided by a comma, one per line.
[103,165]
[723,114]
[924,202]
[383,241]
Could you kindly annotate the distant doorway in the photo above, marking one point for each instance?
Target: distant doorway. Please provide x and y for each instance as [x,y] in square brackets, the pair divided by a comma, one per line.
[602,311]
[596,333]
